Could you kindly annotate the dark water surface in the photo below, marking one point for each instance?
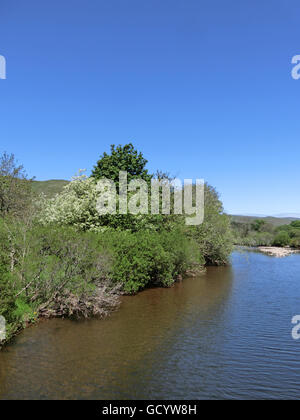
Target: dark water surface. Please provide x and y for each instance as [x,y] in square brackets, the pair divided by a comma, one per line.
[226,334]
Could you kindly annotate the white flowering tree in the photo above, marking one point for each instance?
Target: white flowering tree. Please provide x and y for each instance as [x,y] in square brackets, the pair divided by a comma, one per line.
[75,205]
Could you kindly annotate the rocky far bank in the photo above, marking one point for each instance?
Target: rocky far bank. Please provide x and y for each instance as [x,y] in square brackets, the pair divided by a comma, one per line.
[277,251]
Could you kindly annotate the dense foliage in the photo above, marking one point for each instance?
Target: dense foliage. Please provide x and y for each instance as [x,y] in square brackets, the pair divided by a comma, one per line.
[146,258]
[51,271]
[76,206]
[15,188]
[121,158]
[262,233]
[288,235]
[214,235]
[59,257]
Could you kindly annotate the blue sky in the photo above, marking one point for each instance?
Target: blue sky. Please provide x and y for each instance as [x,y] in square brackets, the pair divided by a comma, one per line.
[203,88]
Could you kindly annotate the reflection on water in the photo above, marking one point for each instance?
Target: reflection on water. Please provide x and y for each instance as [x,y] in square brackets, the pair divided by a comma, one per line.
[226,334]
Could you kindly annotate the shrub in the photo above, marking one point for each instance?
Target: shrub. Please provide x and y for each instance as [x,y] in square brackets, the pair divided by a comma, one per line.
[52,271]
[296,224]
[295,242]
[214,236]
[282,239]
[144,259]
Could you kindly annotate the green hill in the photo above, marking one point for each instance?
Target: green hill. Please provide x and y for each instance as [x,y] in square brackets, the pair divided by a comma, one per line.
[274,221]
[49,188]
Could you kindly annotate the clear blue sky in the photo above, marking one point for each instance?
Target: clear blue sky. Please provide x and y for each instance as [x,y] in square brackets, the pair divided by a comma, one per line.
[203,88]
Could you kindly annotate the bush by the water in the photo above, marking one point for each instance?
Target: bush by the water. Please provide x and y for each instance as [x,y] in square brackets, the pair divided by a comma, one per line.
[146,258]
[51,271]
[59,271]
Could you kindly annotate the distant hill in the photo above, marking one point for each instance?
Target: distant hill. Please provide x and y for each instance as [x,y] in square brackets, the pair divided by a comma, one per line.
[293,215]
[49,188]
[274,221]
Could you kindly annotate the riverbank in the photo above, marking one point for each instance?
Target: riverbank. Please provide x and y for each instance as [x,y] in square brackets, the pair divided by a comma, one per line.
[277,252]
[99,305]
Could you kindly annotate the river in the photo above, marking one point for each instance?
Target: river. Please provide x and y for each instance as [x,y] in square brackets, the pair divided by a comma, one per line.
[225,334]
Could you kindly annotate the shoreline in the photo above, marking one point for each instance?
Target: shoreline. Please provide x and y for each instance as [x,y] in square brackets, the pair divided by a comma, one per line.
[273,251]
[278,252]
[104,312]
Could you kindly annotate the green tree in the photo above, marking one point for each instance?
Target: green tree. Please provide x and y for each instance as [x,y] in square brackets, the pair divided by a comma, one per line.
[258,224]
[122,158]
[15,188]
[295,224]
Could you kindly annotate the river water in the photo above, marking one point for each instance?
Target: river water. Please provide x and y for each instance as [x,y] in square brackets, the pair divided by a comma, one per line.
[225,334]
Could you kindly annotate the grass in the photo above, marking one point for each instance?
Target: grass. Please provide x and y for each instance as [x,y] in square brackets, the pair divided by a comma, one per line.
[49,188]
